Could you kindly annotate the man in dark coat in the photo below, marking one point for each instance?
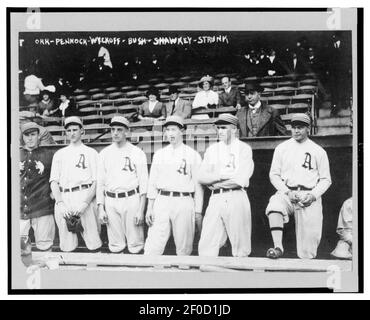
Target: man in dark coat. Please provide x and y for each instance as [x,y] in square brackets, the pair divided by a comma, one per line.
[258,119]
[230,96]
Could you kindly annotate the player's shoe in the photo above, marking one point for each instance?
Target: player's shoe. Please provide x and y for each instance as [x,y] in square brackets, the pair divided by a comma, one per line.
[274,253]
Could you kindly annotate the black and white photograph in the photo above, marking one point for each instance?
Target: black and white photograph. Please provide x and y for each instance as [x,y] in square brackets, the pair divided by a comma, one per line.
[193,150]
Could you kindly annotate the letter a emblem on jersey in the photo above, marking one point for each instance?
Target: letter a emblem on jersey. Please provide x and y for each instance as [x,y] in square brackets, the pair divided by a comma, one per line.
[307,161]
[128,165]
[182,169]
[81,162]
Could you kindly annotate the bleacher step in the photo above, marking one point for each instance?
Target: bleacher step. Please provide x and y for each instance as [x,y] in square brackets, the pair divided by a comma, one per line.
[333,130]
[334,121]
[325,113]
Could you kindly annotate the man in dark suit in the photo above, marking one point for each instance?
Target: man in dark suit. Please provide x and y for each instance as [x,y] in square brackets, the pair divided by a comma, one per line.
[294,64]
[176,105]
[258,119]
[272,64]
[230,96]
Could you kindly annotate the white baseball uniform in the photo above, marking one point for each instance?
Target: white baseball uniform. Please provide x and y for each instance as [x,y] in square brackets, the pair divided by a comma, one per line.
[228,213]
[76,166]
[304,166]
[121,170]
[174,170]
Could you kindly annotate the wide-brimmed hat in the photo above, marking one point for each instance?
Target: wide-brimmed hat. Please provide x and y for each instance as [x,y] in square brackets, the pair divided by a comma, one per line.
[206,78]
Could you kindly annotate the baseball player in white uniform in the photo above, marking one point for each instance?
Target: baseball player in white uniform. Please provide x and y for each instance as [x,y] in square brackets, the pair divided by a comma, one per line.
[121,189]
[73,183]
[343,249]
[300,173]
[175,196]
[226,169]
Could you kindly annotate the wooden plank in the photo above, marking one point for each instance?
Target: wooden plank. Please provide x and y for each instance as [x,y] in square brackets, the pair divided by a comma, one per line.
[108,259]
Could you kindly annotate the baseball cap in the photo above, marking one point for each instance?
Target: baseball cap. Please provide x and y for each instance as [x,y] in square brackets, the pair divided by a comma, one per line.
[72,120]
[226,118]
[301,118]
[176,120]
[120,121]
[29,127]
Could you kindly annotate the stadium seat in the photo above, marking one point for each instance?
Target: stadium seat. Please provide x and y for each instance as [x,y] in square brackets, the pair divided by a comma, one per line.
[280,99]
[286,84]
[134,93]
[139,100]
[51,120]
[55,130]
[267,92]
[308,98]
[92,119]
[120,101]
[79,91]
[299,107]
[281,107]
[127,88]
[143,87]
[285,91]
[60,139]
[107,109]
[98,96]
[179,84]
[84,103]
[161,85]
[88,110]
[311,82]
[111,89]
[170,79]
[270,85]
[127,107]
[81,97]
[186,78]
[95,91]
[307,89]
[116,95]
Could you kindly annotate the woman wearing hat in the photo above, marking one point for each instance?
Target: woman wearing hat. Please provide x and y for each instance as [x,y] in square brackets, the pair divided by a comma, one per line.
[206,98]
[66,108]
[45,105]
[152,109]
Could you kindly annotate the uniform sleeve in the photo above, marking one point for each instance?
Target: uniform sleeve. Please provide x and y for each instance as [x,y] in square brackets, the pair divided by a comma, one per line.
[55,168]
[142,172]
[100,179]
[206,165]
[94,164]
[344,228]
[275,172]
[324,175]
[154,173]
[199,192]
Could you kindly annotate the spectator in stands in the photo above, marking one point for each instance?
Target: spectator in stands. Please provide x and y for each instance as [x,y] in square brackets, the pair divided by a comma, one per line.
[294,64]
[45,105]
[45,136]
[176,105]
[230,96]
[313,63]
[103,52]
[340,73]
[206,98]
[259,119]
[253,66]
[33,86]
[272,65]
[152,109]
[67,108]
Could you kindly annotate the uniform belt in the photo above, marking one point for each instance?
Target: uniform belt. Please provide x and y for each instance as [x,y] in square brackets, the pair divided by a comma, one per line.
[222,190]
[78,188]
[176,193]
[121,194]
[300,188]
